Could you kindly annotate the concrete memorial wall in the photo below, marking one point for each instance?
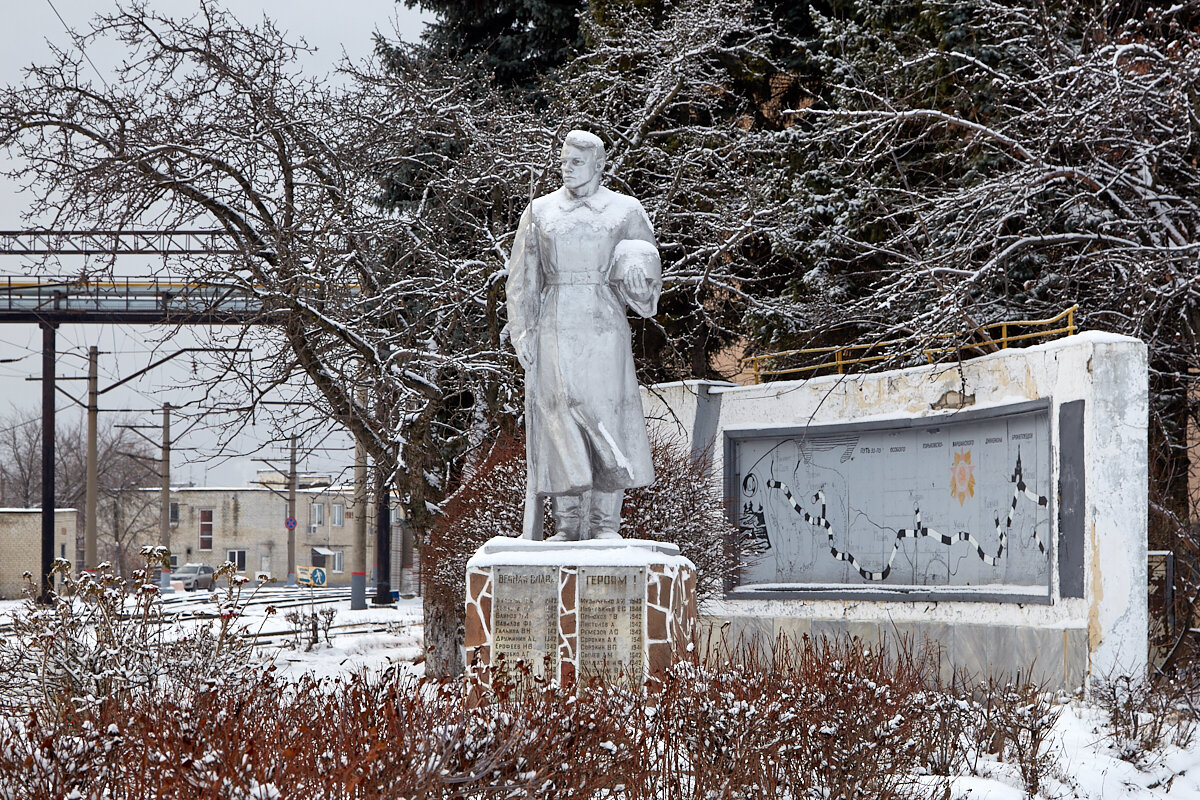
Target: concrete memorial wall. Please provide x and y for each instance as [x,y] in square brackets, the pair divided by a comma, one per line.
[997,508]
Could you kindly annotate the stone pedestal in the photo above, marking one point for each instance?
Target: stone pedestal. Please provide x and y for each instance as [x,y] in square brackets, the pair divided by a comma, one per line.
[618,610]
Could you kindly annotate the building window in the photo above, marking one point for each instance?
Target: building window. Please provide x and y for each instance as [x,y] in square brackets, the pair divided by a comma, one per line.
[338,513]
[331,560]
[62,551]
[173,516]
[237,558]
[395,515]
[318,514]
[206,528]
[174,562]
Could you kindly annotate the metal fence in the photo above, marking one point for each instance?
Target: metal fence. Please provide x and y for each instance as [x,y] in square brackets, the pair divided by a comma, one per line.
[840,358]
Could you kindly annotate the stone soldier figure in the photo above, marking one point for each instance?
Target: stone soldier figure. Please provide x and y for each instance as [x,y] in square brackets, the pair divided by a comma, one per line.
[581,255]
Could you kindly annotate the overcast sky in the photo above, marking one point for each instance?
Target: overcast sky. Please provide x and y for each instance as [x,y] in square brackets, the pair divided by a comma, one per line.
[333,28]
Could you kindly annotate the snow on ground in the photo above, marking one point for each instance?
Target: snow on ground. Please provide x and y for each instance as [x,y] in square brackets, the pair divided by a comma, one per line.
[1089,766]
[8,607]
[388,636]
[366,639]
[372,638]
[1085,766]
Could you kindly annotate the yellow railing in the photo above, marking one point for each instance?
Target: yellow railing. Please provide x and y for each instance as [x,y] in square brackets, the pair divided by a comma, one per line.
[848,355]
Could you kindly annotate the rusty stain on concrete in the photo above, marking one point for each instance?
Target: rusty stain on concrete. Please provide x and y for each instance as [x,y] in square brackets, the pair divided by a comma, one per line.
[1095,630]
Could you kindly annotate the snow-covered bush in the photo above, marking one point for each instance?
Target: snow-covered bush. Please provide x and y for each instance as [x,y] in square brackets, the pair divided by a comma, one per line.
[101,637]
[1025,720]
[819,719]
[1146,714]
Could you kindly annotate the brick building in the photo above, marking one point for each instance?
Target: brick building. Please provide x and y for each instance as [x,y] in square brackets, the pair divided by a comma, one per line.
[21,545]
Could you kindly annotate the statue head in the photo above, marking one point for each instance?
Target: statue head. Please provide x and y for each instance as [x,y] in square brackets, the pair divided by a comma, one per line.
[582,162]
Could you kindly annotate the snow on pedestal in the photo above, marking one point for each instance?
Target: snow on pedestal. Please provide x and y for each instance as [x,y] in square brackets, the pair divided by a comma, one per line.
[613,609]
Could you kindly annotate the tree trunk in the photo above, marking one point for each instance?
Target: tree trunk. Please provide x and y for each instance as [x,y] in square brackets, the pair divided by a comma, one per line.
[444,620]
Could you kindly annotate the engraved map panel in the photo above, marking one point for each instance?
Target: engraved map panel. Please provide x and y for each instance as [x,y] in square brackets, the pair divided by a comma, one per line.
[946,503]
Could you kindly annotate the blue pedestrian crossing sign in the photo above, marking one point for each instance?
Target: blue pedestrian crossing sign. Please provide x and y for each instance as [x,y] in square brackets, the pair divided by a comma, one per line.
[317,576]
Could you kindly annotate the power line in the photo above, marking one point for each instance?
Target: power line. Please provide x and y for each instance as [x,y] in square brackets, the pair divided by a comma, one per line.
[78,42]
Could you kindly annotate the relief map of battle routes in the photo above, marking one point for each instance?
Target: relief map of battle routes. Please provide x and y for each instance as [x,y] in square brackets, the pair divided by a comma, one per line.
[945,504]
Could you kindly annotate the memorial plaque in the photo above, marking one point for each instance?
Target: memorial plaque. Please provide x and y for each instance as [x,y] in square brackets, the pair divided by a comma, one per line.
[525,616]
[611,612]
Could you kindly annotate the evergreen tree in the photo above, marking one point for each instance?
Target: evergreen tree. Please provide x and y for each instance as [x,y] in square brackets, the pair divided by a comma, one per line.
[516,41]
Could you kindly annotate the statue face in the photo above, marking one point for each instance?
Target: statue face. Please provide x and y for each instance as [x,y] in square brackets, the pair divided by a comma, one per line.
[578,167]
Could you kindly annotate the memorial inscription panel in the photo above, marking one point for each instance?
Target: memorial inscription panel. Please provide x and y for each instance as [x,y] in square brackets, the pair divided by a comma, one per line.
[525,616]
[611,617]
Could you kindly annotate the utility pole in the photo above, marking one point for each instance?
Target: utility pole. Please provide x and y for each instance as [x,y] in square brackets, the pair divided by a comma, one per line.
[164,523]
[291,554]
[383,540]
[90,521]
[358,563]
[48,346]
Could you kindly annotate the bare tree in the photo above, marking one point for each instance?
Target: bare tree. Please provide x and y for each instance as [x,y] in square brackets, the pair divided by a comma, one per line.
[121,466]
[1006,162]
[208,123]
[373,212]
[20,460]
[128,520]
[668,88]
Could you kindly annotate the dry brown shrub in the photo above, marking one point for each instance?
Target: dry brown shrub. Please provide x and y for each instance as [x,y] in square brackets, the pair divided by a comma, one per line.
[685,506]
[828,719]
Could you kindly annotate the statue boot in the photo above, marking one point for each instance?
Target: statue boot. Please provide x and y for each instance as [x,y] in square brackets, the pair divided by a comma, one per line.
[568,517]
[604,514]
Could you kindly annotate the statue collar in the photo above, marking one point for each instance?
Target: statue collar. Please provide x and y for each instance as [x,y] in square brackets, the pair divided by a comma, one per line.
[597,201]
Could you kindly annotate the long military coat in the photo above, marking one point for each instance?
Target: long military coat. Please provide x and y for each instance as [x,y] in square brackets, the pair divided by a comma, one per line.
[584,423]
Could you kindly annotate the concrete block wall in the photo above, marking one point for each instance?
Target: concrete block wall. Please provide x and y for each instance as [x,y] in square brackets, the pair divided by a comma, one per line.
[21,545]
[1090,630]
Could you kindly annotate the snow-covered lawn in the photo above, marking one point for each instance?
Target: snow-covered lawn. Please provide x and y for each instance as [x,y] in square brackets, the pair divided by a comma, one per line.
[366,639]
[1086,767]
[372,638]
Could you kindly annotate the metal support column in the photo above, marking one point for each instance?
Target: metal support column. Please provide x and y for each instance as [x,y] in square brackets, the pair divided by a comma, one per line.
[90,521]
[291,553]
[383,540]
[164,522]
[48,347]
[358,557]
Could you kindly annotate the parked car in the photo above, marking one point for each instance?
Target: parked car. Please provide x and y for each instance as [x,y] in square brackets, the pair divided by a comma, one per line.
[194,576]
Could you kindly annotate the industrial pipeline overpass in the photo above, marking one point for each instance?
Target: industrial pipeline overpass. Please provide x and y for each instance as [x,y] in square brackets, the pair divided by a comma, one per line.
[50,301]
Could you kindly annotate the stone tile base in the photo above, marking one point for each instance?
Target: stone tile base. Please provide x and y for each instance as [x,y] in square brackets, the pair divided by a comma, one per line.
[617,610]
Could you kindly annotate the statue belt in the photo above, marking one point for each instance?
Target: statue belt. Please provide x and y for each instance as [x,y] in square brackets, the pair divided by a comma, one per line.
[575,279]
